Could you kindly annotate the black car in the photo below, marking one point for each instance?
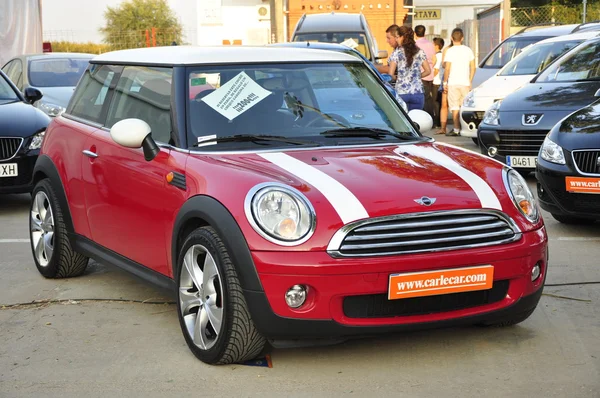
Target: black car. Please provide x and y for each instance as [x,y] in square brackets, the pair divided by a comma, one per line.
[22,128]
[514,129]
[568,169]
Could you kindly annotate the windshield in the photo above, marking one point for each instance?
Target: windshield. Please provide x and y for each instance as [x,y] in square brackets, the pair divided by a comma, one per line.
[536,58]
[56,72]
[507,51]
[354,40]
[581,64]
[292,101]
[7,94]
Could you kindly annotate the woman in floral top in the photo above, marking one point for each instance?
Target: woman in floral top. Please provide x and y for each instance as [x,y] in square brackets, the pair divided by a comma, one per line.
[406,62]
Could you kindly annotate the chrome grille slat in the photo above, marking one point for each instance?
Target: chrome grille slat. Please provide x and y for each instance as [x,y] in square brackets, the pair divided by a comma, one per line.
[424,232]
[9,147]
[406,225]
[425,241]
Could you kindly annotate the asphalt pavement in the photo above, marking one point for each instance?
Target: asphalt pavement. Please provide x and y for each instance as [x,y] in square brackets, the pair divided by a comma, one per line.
[107,334]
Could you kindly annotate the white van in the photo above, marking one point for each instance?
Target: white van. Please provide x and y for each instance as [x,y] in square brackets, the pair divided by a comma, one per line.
[513,76]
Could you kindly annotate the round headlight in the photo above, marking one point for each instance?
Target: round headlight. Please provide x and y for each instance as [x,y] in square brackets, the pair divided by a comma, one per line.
[521,195]
[280,214]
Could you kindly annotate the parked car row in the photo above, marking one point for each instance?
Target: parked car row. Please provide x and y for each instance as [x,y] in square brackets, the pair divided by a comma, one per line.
[541,117]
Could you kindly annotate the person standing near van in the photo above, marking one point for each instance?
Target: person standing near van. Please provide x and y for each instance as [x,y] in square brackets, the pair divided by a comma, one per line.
[459,69]
[406,62]
[390,38]
[429,49]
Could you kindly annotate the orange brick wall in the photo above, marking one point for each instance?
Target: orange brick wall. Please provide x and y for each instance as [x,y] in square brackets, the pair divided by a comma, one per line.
[379,14]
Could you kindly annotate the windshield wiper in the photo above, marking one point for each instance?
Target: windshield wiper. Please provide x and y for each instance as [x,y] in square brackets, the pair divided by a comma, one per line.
[364,132]
[255,137]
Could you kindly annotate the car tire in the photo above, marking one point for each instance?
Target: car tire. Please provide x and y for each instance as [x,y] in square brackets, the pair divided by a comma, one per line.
[219,303]
[572,220]
[509,321]
[52,252]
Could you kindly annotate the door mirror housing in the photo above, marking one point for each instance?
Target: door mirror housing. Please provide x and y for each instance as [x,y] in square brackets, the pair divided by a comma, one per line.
[421,120]
[382,54]
[33,94]
[135,133]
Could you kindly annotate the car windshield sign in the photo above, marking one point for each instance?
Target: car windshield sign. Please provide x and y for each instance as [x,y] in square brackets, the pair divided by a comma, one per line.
[581,64]
[293,103]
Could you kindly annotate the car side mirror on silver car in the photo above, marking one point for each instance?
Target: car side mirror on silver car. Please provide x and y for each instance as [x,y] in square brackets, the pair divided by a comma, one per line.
[135,133]
[382,54]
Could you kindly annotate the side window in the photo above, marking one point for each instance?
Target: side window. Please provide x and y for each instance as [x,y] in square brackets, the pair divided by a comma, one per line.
[17,74]
[8,68]
[91,93]
[144,93]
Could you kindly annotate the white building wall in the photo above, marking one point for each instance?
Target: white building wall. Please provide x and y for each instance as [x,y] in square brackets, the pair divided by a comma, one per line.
[236,20]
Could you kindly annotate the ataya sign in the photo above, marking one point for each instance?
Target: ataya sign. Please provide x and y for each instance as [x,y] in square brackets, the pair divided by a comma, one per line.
[435,13]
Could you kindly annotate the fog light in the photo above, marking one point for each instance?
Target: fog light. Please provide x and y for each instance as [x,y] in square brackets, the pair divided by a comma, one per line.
[492,151]
[296,296]
[535,272]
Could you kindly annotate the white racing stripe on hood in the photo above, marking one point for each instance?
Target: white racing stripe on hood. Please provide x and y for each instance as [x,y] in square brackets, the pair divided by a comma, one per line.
[343,201]
[486,195]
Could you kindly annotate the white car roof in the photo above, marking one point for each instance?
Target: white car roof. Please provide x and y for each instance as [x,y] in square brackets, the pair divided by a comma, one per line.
[574,36]
[195,55]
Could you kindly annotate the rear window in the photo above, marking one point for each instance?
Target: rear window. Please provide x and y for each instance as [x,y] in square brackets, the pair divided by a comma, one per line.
[56,72]
[356,40]
[508,50]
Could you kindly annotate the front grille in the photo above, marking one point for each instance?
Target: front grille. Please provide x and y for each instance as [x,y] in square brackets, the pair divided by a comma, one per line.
[9,147]
[424,232]
[587,161]
[520,142]
[577,202]
[378,305]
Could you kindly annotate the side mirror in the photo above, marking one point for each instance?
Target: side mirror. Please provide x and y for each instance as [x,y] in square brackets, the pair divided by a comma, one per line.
[33,94]
[386,78]
[421,120]
[135,133]
[382,54]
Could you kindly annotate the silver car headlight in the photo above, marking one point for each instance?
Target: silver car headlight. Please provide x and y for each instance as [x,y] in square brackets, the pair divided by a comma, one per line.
[469,101]
[521,194]
[552,152]
[492,115]
[281,214]
[50,109]
[36,141]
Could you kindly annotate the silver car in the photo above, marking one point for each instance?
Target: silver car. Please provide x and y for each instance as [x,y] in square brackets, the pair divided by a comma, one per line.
[54,74]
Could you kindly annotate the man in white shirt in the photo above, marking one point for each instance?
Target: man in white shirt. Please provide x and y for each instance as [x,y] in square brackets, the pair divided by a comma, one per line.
[459,69]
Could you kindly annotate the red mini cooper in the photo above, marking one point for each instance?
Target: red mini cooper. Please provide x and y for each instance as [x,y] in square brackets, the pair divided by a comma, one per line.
[282,194]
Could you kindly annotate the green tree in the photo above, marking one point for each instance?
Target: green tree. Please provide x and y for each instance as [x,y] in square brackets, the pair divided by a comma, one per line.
[127,23]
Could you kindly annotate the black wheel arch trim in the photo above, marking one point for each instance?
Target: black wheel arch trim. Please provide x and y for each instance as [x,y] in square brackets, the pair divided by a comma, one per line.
[45,166]
[218,217]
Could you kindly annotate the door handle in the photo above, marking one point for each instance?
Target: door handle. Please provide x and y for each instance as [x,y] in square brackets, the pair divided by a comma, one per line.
[90,154]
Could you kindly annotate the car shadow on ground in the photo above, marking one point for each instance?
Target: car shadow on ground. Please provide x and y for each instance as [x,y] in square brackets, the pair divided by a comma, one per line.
[9,203]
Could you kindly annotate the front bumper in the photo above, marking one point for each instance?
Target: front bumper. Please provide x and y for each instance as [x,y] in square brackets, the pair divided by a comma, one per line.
[554,197]
[327,313]
[470,119]
[23,182]
[511,142]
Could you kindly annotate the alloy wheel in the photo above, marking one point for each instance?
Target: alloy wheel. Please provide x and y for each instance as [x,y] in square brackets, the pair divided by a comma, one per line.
[42,229]
[200,296]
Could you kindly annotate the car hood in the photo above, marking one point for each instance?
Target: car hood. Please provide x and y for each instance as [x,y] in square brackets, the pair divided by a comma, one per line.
[498,87]
[57,95]
[19,119]
[580,130]
[548,97]
[368,182]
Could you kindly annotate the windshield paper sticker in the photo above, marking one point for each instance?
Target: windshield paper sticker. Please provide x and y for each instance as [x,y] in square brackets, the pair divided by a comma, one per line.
[349,43]
[236,96]
[211,138]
